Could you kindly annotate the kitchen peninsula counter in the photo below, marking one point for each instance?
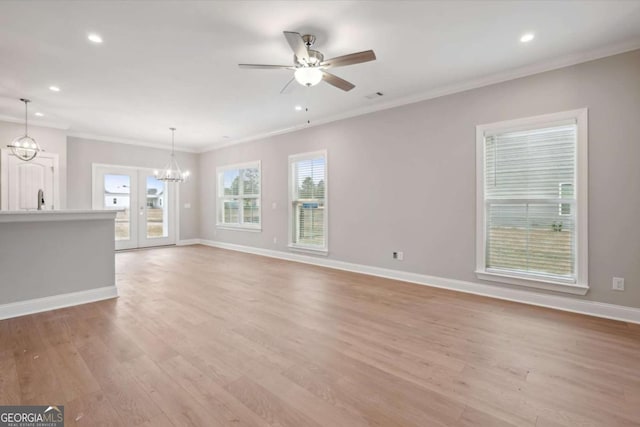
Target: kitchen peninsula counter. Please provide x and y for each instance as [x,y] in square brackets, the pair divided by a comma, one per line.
[54,259]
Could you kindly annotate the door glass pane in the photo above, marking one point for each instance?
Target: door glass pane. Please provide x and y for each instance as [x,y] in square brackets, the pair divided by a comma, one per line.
[157,215]
[117,192]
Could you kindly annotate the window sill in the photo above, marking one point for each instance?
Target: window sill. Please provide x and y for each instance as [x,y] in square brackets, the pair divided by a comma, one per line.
[549,285]
[309,250]
[239,228]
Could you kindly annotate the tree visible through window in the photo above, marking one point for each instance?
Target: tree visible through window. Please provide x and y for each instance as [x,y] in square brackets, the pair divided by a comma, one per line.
[239,195]
[308,201]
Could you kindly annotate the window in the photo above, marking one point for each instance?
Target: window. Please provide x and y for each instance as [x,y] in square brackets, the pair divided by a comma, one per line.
[308,195]
[239,196]
[532,202]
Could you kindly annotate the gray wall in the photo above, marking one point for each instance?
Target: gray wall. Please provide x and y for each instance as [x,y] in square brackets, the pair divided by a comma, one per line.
[50,140]
[82,153]
[87,261]
[418,162]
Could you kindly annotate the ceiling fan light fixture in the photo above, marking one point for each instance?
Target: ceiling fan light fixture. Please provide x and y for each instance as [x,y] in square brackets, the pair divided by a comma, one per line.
[309,65]
[308,76]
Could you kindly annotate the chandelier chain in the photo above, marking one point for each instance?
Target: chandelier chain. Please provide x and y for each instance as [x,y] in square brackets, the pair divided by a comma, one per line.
[26,115]
[173,136]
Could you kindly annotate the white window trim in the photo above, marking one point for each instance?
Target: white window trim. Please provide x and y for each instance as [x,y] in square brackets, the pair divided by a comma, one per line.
[238,227]
[581,286]
[296,246]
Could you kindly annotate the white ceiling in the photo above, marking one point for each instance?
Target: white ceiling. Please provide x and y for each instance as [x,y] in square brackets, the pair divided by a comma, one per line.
[168,64]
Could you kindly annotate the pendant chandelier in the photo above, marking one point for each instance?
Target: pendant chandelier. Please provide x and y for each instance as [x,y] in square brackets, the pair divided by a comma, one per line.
[172,172]
[24,147]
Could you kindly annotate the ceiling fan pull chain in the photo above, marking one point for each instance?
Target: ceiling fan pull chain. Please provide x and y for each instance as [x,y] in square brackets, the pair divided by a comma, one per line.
[306,106]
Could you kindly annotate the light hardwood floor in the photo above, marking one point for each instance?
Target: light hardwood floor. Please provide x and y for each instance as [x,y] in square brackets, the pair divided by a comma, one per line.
[209,337]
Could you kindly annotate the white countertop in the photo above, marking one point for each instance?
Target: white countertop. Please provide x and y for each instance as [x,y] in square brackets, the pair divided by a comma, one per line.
[58,215]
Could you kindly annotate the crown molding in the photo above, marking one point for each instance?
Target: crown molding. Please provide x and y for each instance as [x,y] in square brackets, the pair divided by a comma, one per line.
[103,138]
[116,140]
[512,74]
[34,122]
[268,134]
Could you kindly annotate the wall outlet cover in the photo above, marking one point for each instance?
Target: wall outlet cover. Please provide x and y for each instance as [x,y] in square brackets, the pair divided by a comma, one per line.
[618,284]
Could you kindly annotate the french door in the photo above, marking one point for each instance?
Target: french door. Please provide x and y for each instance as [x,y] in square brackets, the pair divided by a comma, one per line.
[146,205]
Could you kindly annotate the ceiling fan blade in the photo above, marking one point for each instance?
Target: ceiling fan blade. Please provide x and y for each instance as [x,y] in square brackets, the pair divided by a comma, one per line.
[288,87]
[297,45]
[266,67]
[353,58]
[337,81]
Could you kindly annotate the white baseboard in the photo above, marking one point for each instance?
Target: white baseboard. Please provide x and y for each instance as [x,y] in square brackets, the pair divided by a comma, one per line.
[22,308]
[188,242]
[574,305]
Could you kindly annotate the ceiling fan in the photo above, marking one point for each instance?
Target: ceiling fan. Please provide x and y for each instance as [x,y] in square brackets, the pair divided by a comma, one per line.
[309,65]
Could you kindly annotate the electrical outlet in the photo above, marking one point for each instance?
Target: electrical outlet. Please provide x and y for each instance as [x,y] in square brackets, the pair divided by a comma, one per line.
[398,255]
[618,284]
[274,205]
[187,205]
[275,240]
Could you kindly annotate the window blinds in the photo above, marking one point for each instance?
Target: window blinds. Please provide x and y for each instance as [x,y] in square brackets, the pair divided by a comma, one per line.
[530,203]
[308,196]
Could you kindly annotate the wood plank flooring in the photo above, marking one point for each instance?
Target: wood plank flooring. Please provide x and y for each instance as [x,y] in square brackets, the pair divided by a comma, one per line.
[208,337]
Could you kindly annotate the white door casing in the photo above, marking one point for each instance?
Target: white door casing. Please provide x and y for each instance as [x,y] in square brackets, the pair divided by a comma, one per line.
[133,201]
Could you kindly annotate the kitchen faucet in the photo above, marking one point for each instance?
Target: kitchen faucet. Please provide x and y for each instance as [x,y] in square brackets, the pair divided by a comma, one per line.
[40,199]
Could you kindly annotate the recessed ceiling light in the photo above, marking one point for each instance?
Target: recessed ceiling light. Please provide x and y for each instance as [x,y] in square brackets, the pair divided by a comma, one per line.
[54,88]
[298,108]
[95,38]
[527,37]
[39,114]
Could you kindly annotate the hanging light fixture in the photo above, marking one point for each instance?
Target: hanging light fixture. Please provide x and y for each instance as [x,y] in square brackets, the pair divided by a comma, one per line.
[308,76]
[172,172]
[24,147]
